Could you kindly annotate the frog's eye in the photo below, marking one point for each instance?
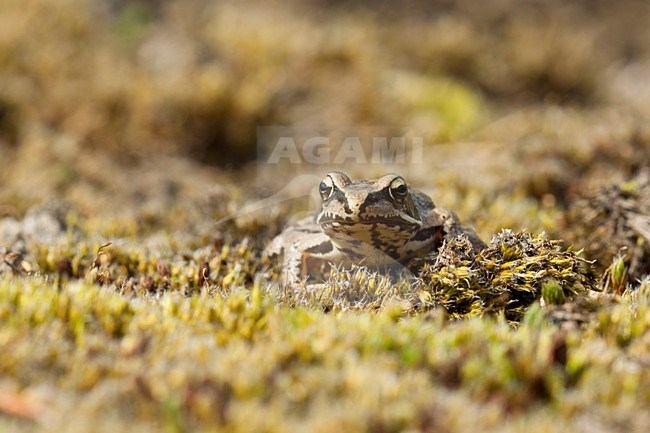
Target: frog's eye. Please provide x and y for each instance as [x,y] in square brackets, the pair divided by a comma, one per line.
[398,190]
[326,188]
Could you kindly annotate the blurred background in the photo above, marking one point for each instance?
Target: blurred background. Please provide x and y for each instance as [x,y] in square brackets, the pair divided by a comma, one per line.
[145,108]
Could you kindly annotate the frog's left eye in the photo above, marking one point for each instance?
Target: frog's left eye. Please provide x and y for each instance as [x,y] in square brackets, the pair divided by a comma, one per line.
[398,190]
[326,188]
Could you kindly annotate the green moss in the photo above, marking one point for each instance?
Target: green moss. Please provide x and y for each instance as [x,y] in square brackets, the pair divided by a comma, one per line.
[454,109]
[206,361]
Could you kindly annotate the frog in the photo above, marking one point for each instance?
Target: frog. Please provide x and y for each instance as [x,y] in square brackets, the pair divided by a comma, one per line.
[381,224]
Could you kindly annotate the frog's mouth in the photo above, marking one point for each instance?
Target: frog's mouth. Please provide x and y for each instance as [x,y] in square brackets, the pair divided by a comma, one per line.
[333,221]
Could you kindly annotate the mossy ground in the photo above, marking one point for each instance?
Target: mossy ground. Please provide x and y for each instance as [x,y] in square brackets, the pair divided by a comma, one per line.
[83,355]
[127,130]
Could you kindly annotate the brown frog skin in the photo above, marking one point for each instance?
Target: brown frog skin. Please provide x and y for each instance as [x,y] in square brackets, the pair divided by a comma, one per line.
[380,224]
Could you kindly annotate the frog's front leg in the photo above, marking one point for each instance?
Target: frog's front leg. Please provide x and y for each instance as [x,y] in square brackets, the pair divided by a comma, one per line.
[452,227]
[308,257]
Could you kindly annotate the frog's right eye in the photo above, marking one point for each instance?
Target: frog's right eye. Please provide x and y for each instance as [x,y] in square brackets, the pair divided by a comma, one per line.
[326,188]
[398,189]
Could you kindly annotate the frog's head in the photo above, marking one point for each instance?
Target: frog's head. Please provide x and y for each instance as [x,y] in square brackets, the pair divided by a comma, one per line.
[379,212]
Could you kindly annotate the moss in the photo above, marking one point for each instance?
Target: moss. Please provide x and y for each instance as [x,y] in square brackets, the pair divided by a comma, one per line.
[613,222]
[507,276]
[207,361]
[125,129]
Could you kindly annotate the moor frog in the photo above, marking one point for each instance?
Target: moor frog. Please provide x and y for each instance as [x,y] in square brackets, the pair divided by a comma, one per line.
[380,224]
